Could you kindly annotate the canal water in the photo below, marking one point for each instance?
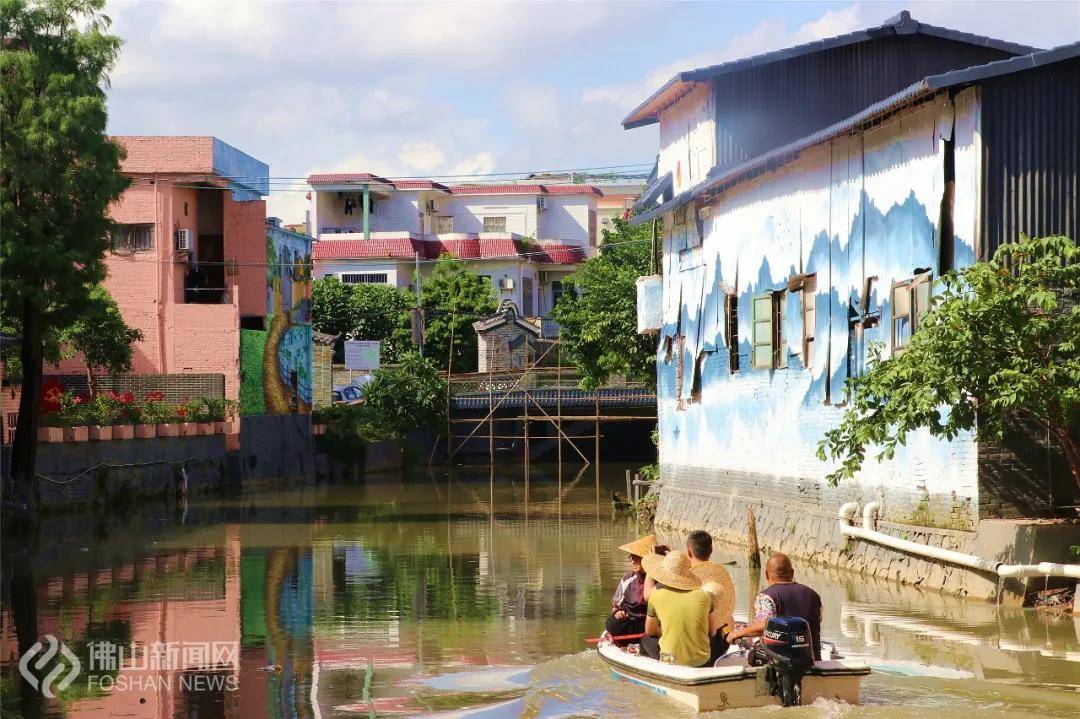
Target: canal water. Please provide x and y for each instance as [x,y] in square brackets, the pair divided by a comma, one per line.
[462,593]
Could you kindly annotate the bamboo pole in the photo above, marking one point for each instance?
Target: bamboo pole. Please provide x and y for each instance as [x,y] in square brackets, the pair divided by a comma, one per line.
[558,408]
[491,420]
[755,551]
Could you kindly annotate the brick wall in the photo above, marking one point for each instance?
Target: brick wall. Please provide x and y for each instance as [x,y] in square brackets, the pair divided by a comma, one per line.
[158,154]
[245,241]
[1024,476]
[322,382]
[494,351]
[206,338]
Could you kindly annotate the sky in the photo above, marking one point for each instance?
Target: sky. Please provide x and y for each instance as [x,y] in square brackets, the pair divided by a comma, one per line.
[452,88]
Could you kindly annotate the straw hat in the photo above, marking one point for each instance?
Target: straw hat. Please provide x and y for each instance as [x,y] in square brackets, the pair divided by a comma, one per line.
[641,546]
[716,580]
[671,570]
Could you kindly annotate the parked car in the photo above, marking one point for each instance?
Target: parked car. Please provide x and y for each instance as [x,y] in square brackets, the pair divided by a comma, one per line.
[351,393]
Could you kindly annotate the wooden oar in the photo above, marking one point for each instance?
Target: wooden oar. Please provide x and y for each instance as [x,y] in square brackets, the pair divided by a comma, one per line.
[620,638]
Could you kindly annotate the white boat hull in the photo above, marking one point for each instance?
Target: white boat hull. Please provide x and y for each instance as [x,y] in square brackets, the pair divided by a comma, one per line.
[735,686]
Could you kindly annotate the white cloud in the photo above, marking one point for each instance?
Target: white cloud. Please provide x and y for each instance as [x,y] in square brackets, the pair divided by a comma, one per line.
[424,156]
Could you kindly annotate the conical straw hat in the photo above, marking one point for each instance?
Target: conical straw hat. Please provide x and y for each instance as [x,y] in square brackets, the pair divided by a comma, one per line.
[641,546]
[671,570]
[716,580]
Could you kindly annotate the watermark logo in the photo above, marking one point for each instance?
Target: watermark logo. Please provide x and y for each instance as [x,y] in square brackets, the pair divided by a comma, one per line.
[71,665]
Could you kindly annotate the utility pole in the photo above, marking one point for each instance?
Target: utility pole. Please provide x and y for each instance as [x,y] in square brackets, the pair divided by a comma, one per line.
[418,317]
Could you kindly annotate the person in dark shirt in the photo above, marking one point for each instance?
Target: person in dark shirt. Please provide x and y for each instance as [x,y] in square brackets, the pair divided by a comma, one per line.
[784,597]
[628,604]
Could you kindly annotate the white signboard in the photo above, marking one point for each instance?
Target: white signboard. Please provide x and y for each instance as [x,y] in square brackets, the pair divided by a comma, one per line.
[362,354]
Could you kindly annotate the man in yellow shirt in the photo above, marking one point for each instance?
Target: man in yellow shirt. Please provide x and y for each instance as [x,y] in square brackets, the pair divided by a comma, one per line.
[679,622]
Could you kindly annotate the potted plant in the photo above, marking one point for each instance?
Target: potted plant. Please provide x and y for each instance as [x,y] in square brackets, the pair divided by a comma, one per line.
[224,411]
[204,414]
[153,417]
[185,412]
[101,413]
[124,422]
[73,417]
[318,422]
[50,429]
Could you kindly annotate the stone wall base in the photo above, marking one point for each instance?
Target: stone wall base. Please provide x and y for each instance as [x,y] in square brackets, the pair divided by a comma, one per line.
[811,532]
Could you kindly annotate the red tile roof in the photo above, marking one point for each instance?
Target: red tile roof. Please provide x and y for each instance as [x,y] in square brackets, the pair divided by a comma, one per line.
[400,247]
[497,189]
[405,248]
[572,190]
[418,185]
[344,178]
[560,254]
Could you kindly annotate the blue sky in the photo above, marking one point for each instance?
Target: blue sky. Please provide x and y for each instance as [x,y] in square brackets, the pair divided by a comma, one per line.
[410,89]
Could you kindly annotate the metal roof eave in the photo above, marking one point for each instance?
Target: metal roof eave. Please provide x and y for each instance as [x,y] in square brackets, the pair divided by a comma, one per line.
[925,87]
[900,24]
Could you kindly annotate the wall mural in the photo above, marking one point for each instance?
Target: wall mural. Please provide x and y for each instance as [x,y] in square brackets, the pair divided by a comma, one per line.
[283,372]
[856,213]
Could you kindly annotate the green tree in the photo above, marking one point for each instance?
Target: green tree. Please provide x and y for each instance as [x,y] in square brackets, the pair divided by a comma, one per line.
[598,315]
[454,298]
[364,312]
[60,173]
[1001,342]
[100,335]
[411,395]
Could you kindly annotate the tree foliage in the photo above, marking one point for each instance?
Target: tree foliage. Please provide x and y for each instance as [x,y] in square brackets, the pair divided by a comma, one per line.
[598,315]
[411,395]
[364,312]
[453,298]
[1002,341]
[100,334]
[60,173]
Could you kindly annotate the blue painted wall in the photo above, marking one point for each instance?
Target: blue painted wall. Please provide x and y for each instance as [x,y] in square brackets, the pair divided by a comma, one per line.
[250,177]
[848,210]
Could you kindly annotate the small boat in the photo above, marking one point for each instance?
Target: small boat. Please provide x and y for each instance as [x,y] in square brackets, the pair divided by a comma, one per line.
[734,684]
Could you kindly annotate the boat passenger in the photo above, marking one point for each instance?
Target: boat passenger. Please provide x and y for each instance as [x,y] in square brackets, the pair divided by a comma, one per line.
[699,548]
[628,603]
[680,621]
[784,597]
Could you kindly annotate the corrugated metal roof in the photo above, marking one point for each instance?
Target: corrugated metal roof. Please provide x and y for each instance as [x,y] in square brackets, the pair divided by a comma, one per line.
[716,181]
[345,178]
[901,24]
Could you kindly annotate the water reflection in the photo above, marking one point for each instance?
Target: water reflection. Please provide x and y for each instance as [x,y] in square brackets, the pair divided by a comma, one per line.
[447,593]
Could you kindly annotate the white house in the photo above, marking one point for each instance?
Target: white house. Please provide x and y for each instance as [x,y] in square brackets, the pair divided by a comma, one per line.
[525,237]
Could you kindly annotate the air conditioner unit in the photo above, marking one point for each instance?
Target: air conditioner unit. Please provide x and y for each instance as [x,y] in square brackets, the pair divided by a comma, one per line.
[431,207]
[506,283]
[184,239]
[541,203]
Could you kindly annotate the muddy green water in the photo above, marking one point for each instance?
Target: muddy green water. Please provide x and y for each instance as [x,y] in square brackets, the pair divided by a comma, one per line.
[464,593]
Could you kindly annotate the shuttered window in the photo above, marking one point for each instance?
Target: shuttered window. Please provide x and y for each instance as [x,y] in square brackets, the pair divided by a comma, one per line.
[910,302]
[809,319]
[769,350]
[731,307]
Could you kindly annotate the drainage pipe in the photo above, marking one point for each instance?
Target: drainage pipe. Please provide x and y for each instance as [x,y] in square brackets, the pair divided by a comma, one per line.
[869,534]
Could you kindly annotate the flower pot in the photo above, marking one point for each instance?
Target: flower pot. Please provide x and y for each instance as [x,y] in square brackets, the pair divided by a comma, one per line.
[228,426]
[318,429]
[206,428]
[100,432]
[168,429]
[76,434]
[145,431]
[50,434]
[188,429]
[123,431]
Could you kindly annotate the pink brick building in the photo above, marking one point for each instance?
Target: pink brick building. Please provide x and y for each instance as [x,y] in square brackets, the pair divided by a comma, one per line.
[188,261]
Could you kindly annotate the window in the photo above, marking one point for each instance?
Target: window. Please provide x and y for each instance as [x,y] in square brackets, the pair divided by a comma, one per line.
[556,292]
[527,297]
[133,238]
[495,224]
[768,350]
[444,224]
[592,228]
[731,313]
[809,319]
[486,279]
[364,278]
[910,303]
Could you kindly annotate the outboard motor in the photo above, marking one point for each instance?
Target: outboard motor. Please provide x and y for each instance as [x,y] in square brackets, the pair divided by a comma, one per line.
[787,650]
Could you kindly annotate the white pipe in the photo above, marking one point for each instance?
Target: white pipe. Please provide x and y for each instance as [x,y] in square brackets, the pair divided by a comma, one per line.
[866,532]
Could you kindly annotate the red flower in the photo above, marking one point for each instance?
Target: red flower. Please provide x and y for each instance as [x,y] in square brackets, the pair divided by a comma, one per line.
[126,397]
[181,412]
[77,399]
[155,396]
